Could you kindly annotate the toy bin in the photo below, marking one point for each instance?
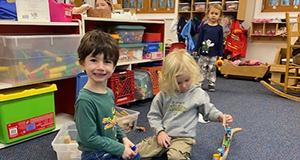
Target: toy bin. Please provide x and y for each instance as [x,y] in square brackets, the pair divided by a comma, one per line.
[152,37]
[81,80]
[130,33]
[32,59]
[232,5]
[199,6]
[60,12]
[130,52]
[64,143]
[153,51]
[26,111]
[122,84]
[183,7]
[154,75]
[126,118]
[143,85]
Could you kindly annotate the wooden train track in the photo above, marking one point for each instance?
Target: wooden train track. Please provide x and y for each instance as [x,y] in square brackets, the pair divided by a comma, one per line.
[224,150]
[280,93]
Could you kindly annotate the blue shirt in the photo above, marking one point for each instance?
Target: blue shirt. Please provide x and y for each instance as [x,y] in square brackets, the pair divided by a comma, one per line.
[210,40]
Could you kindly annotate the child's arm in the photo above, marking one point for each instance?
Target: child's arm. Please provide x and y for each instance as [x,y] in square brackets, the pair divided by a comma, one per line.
[155,114]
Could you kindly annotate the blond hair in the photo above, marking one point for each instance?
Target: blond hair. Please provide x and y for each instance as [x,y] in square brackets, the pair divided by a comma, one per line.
[176,63]
[215,6]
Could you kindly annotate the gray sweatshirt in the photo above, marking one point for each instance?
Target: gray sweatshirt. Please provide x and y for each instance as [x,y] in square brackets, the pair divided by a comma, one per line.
[178,115]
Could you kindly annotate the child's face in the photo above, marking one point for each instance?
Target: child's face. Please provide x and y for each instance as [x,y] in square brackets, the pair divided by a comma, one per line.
[214,15]
[184,82]
[97,68]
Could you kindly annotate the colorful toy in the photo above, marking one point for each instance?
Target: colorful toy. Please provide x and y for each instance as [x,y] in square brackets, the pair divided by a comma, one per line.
[137,156]
[223,151]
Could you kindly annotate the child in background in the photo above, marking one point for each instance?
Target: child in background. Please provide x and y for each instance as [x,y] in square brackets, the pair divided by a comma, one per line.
[210,44]
[99,136]
[175,109]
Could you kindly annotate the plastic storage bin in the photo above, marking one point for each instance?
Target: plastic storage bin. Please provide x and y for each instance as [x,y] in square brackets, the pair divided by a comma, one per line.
[126,118]
[122,84]
[31,59]
[154,75]
[64,143]
[60,12]
[26,112]
[143,85]
[131,52]
[232,5]
[183,7]
[130,33]
[152,37]
[81,80]
[199,6]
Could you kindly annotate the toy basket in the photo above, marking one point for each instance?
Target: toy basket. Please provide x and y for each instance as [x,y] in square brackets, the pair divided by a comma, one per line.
[122,84]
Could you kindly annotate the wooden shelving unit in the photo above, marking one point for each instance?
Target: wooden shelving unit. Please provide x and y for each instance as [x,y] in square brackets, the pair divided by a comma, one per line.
[268,31]
[238,13]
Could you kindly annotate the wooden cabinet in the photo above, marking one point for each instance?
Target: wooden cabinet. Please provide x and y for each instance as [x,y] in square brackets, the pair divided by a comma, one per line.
[150,6]
[268,31]
[192,8]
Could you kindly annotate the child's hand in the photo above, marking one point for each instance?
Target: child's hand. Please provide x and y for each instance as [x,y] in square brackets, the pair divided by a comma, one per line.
[163,139]
[128,152]
[127,142]
[226,119]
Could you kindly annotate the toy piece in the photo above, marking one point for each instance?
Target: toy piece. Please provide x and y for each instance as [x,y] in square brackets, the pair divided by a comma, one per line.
[137,156]
[223,151]
[219,63]
[140,129]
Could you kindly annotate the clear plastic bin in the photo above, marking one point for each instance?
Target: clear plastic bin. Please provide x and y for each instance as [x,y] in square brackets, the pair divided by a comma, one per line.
[183,7]
[64,143]
[199,6]
[127,118]
[143,85]
[131,52]
[232,5]
[30,59]
[130,34]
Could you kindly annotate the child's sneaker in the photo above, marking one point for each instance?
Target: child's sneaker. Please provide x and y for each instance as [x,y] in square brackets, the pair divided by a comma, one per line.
[211,88]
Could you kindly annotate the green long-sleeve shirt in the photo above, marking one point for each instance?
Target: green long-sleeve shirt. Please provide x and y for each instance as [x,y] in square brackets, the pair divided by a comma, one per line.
[96,123]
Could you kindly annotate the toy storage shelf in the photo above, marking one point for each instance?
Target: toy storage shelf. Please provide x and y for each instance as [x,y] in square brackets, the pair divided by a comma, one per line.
[267,31]
[63,101]
[191,8]
[90,23]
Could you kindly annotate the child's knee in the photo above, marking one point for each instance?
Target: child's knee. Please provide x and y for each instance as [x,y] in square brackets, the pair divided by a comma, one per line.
[174,154]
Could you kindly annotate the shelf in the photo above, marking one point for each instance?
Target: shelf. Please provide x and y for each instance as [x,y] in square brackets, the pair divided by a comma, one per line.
[138,61]
[4,22]
[8,85]
[122,20]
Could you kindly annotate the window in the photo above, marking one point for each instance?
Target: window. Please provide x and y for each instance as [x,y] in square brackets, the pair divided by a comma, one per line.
[281,6]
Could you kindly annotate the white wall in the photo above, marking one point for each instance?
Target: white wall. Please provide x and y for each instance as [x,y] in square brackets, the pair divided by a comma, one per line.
[259,50]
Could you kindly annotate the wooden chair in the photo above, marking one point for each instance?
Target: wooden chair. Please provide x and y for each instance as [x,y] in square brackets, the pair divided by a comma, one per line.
[289,90]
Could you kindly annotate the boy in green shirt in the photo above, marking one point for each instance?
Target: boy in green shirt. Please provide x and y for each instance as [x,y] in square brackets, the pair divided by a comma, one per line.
[99,136]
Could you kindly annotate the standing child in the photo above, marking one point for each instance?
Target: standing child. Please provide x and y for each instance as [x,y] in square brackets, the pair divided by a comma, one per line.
[210,44]
[99,136]
[175,109]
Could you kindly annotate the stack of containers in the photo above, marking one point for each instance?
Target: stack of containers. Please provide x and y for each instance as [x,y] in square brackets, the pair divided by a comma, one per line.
[130,42]
[153,46]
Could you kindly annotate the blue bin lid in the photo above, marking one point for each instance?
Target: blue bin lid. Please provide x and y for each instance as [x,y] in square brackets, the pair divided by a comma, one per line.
[129,27]
[131,45]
